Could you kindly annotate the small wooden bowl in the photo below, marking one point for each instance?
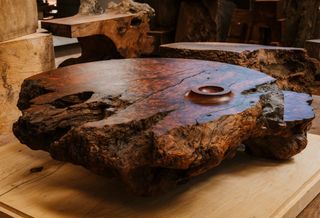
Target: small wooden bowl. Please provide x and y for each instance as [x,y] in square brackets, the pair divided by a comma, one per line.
[209,94]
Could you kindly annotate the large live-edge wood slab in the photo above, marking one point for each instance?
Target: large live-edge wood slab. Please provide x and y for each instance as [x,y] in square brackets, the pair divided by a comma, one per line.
[277,189]
[152,123]
[292,67]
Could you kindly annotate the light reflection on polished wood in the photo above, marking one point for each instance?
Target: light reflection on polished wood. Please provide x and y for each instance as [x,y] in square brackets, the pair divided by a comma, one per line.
[65,190]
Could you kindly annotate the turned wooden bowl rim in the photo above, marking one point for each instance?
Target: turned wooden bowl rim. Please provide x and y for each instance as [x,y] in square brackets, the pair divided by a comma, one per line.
[211,90]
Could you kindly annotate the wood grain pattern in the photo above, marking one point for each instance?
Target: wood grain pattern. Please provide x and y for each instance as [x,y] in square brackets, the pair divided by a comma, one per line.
[132,118]
[313,209]
[292,67]
[17,18]
[21,58]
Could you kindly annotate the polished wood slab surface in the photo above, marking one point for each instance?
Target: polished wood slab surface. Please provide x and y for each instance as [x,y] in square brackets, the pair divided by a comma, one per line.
[158,122]
[74,196]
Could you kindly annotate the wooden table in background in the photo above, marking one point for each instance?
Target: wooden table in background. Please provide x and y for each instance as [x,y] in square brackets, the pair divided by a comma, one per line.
[105,36]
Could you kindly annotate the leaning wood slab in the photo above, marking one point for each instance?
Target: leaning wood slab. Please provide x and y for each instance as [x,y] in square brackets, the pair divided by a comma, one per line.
[143,121]
[292,67]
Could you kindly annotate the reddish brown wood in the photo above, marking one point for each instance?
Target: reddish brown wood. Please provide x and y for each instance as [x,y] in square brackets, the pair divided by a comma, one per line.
[133,118]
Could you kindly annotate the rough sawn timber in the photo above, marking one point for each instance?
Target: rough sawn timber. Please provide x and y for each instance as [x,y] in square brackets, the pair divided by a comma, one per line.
[292,67]
[131,118]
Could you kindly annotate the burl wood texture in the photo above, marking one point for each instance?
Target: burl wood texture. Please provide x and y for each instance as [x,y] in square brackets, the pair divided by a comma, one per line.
[17,18]
[131,118]
[292,67]
[126,31]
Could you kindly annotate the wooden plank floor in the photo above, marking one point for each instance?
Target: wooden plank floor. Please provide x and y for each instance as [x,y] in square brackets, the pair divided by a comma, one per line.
[268,188]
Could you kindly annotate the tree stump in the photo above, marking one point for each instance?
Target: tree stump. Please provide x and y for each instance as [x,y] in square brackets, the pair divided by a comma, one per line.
[156,123]
[292,67]
[20,58]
